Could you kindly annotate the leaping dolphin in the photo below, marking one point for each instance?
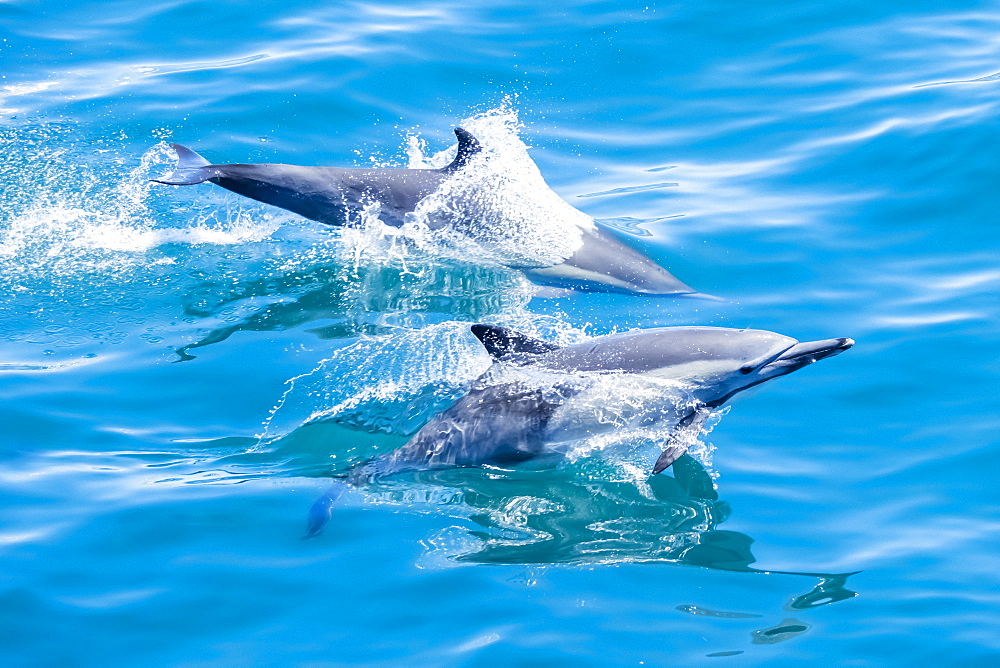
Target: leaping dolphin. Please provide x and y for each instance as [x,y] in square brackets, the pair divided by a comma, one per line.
[338,196]
[538,397]
[331,195]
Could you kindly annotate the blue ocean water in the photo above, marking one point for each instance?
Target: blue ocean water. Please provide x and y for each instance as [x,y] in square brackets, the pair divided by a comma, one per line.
[182,369]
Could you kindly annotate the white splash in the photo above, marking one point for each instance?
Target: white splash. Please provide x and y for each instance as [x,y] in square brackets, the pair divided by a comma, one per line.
[66,218]
[499,199]
[394,383]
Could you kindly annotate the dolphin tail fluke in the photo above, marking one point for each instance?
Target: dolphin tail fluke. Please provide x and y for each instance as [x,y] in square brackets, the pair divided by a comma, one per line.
[190,168]
[322,510]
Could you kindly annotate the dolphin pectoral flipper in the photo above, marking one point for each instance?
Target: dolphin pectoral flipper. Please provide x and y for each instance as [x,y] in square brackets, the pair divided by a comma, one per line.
[668,456]
[190,168]
[681,437]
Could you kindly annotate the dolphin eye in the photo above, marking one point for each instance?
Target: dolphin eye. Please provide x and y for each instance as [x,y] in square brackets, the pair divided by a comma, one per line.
[746,369]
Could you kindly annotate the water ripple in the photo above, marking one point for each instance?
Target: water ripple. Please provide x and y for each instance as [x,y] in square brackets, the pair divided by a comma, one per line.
[631,189]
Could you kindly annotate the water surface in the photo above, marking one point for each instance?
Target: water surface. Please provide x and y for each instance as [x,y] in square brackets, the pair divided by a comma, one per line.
[182,369]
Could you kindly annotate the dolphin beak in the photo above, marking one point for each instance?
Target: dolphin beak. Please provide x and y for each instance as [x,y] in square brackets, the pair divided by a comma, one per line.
[811,351]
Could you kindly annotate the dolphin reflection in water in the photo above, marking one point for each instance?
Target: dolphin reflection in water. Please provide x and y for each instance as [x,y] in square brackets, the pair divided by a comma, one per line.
[340,196]
[349,300]
[552,516]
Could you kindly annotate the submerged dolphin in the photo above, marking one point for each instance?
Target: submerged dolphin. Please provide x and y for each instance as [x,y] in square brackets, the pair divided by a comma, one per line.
[537,396]
[338,196]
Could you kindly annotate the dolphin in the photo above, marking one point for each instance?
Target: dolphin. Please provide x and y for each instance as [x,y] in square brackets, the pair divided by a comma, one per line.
[338,196]
[538,397]
[331,195]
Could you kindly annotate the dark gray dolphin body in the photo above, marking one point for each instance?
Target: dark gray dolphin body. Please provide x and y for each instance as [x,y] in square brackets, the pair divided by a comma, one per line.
[552,396]
[337,196]
[331,195]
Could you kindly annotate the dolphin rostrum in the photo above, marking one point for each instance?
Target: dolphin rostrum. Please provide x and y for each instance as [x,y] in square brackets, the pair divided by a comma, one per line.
[537,397]
[339,196]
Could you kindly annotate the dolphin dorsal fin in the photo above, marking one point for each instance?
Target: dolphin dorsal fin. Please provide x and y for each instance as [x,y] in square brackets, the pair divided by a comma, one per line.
[189,169]
[502,341]
[468,146]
